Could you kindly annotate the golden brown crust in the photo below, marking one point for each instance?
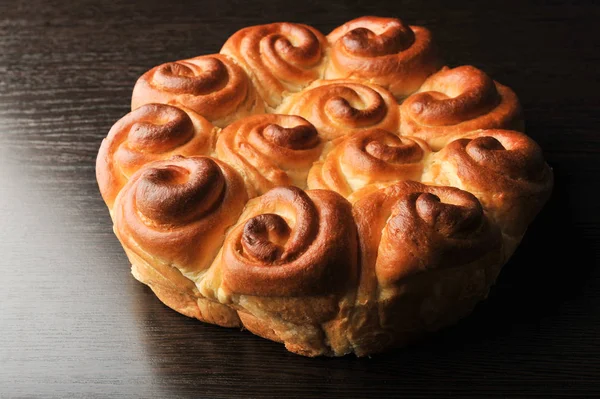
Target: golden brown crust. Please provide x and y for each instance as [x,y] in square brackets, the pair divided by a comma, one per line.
[384,51]
[180,293]
[410,228]
[504,169]
[457,101]
[307,268]
[150,133]
[409,234]
[212,85]
[270,150]
[290,261]
[278,246]
[342,107]
[371,156]
[280,57]
[175,212]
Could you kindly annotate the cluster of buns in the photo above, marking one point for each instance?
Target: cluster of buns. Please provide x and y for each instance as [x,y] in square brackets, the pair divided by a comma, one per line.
[339,194]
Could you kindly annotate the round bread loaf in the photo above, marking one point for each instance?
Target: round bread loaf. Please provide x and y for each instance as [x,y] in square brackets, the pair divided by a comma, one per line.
[338,194]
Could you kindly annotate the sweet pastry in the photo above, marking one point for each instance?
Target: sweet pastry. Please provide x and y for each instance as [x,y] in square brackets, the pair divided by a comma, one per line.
[289,266]
[338,194]
[171,218]
[384,51]
[280,58]
[370,156]
[455,101]
[212,85]
[150,133]
[341,107]
[428,254]
[504,169]
[270,150]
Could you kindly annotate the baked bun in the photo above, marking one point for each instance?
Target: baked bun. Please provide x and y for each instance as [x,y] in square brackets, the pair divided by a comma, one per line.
[504,169]
[288,185]
[171,218]
[150,133]
[289,265]
[456,101]
[428,255]
[370,156]
[280,57]
[270,150]
[342,107]
[212,85]
[384,51]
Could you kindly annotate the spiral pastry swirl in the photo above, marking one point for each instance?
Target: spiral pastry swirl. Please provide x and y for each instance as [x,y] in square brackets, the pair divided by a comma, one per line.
[175,212]
[384,51]
[409,228]
[341,107]
[291,242]
[280,57]
[270,150]
[456,101]
[212,85]
[428,255]
[371,156]
[150,133]
[504,169]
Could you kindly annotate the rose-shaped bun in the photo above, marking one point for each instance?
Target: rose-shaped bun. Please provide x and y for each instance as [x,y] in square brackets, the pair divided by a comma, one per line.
[384,51]
[279,57]
[504,169]
[342,107]
[270,150]
[372,156]
[150,133]
[288,265]
[428,255]
[212,85]
[171,218]
[456,101]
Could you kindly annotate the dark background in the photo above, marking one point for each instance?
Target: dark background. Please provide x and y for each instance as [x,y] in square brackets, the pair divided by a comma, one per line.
[73,322]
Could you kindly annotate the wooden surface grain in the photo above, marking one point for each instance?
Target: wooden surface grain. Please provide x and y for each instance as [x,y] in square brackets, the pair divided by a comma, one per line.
[74,323]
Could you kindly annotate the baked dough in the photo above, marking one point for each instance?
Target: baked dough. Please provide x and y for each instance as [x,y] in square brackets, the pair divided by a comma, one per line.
[338,194]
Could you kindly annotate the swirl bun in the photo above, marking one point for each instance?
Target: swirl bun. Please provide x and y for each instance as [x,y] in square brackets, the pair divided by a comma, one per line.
[504,169]
[280,57]
[270,150]
[371,156]
[171,218]
[384,51]
[291,258]
[341,107]
[411,235]
[456,101]
[150,133]
[212,85]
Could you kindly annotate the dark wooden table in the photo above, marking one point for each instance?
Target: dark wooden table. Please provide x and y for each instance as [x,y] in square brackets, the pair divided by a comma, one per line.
[74,323]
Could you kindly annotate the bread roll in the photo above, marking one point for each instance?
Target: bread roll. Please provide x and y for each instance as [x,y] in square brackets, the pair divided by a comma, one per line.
[280,58]
[270,150]
[457,101]
[384,51]
[171,218]
[342,107]
[428,255]
[212,85]
[150,133]
[504,169]
[289,266]
[370,156]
